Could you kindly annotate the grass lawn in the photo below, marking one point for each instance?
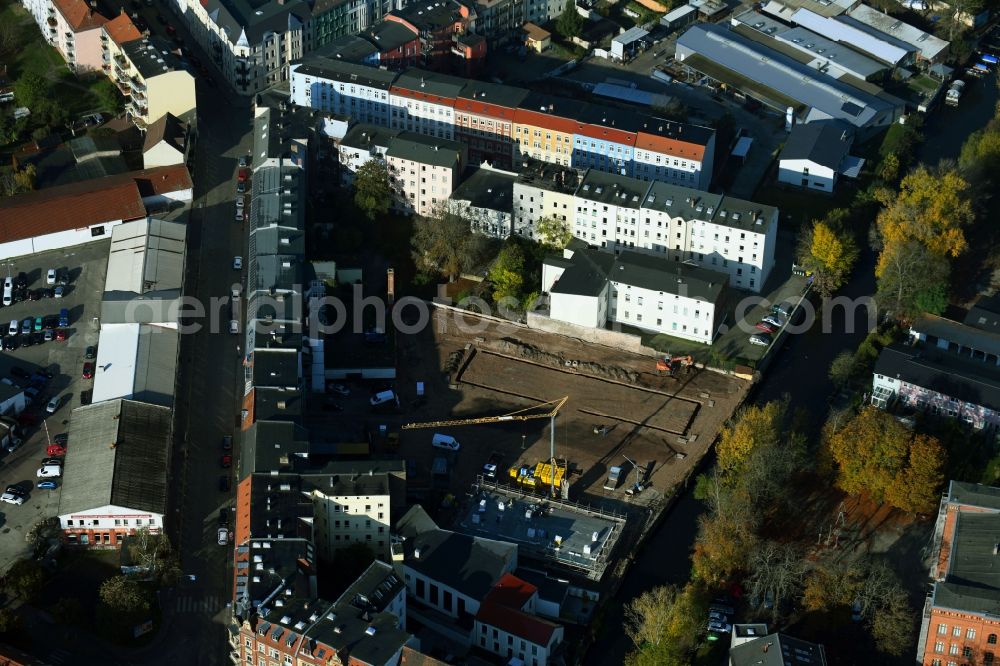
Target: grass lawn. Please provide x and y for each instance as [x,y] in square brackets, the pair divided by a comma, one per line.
[32,53]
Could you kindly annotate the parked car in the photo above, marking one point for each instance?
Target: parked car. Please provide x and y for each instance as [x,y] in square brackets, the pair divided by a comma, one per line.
[50,277]
[227,443]
[774,320]
[35,295]
[11,497]
[234,326]
[240,203]
[223,517]
[55,450]
[19,372]
[446,442]
[21,281]
[720,627]
[243,175]
[241,187]
[760,339]
[226,461]
[244,161]
[224,483]
[86,396]
[14,444]
[90,353]
[54,404]
[765,326]
[239,214]
[64,317]
[49,471]
[338,389]
[48,485]
[88,370]
[237,263]
[223,536]
[61,438]
[59,291]
[61,334]
[27,325]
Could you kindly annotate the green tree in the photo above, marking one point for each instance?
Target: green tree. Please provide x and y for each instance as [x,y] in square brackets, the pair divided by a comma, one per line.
[69,611]
[752,428]
[372,193]
[24,579]
[154,553]
[570,23]
[123,595]
[507,273]
[10,622]
[842,369]
[31,89]
[911,277]
[553,232]
[24,178]
[108,97]
[665,624]
[444,245]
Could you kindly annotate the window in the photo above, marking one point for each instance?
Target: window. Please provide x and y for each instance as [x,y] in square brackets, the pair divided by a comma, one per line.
[956,631]
[987,657]
[953,649]
[992,639]
[97,231]
[970,633]
[938,647]
[966,651]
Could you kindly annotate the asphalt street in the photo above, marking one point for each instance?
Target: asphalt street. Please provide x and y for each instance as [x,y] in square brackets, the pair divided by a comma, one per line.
[196,612]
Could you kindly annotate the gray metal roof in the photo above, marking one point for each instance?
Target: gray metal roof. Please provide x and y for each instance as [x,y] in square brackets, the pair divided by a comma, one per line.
[277,198]
[945,373]
[927,45]
[364,136]
[957,333]
[612,189]
[885,50]
[824,143]
[255,18]
[347,48]
[585,273]
[690,204]
[277,403]
[974,494]
[342,485]
[749,65]
[430,83]
[276,367]
[972,583]
[389,35]
[118,457]
[777,650]
[155,365]
[430,16]
[470,565]
[668,277]
[151,56]
[631,35]
[985,314]
[493,93]
[825,51]
[345,72]
[146,257]
[426,149]
[273,446]
[281,132]
[487,188]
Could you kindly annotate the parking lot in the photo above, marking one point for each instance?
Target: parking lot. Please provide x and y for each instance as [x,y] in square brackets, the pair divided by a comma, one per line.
[85,266]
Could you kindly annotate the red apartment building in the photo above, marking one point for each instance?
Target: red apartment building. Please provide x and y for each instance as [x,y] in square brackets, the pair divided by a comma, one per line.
[440,28]
[961,618]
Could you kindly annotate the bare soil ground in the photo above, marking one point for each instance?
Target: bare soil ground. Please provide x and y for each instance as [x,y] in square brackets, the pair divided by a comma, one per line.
[498,368]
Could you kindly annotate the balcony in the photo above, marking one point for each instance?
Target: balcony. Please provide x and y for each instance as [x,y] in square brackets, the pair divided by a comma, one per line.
[124,88]
[137,84]
[52,22]
[121,60]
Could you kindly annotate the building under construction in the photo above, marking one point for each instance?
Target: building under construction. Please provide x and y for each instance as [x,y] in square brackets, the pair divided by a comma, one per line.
[570,538]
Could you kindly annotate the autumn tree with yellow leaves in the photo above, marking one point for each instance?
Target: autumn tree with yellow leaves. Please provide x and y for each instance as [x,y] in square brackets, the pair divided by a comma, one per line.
[665,624]
[920,228]
[829,252]
[875,454]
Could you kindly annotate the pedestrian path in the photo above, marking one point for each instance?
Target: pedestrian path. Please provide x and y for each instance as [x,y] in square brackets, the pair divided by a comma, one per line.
[196,604]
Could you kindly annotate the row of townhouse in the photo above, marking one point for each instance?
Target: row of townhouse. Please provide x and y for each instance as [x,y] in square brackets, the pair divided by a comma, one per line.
[504,125]
[423,170]
[617,213]
[146,70]
[946,369]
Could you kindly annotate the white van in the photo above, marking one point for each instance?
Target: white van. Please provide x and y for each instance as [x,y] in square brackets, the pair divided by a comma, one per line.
[14,327]
[8,292]
[384,398]
[446,442]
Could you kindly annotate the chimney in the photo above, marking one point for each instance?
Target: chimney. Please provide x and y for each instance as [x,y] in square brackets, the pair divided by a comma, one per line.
[416,553]
[390,291]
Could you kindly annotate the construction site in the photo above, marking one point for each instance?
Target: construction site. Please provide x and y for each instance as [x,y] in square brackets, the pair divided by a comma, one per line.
[539,415]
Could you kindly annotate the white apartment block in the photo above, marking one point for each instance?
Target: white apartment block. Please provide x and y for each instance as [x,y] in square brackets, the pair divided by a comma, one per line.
[423,171]
[546,191]
[252,47]
[618,213]
[591,288]
[424,102]
[343,88]
[350,509]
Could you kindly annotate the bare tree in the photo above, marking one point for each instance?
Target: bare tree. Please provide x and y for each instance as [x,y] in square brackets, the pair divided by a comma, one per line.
[775,571]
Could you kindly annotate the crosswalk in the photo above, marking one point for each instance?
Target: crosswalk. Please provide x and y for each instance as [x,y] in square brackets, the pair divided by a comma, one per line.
[59,656]
[205,605]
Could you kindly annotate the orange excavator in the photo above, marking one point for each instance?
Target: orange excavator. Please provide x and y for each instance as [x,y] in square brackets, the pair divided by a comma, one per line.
[670,364]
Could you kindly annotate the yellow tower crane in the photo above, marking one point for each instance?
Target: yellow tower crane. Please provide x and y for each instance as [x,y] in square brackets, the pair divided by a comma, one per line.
[526,414]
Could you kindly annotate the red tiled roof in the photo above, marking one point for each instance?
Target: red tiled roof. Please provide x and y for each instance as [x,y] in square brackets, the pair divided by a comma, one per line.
[162,180]
[411,657]
[516,622]
[606,133]
[549,121]
[660,144]
[426,97]
[512,592]
[79,15]
[121,29]
[72,206]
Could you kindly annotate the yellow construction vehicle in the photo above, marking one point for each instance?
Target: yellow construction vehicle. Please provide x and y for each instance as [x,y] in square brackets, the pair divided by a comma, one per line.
[528,413]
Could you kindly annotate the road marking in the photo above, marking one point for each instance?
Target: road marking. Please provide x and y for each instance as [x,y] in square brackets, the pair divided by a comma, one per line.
[207,605]
[59,656]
